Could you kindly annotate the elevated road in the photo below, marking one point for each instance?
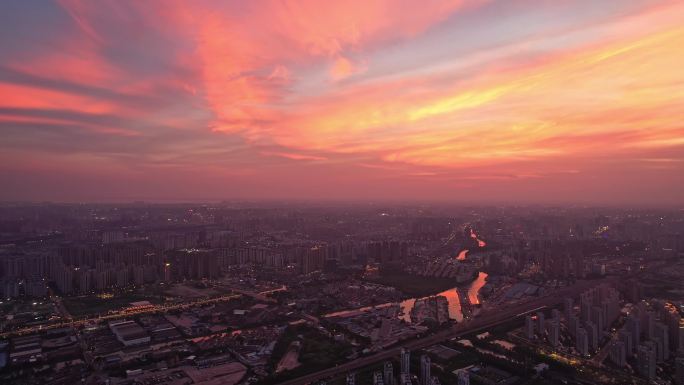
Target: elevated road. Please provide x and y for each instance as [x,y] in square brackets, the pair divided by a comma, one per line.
[120,314]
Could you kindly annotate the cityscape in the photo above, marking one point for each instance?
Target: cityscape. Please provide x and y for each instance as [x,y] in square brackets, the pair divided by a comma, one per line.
[272,293]
[358,192]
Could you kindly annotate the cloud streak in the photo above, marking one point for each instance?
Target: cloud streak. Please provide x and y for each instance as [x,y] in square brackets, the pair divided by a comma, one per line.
[382,99]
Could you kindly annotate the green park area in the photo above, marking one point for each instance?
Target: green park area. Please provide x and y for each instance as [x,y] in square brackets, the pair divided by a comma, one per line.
[318,352]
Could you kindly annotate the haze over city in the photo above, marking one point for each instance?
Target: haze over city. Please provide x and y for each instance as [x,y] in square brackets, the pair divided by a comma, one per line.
[464,101]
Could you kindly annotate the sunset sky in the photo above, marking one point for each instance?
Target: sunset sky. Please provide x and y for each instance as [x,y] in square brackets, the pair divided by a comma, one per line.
[521,101]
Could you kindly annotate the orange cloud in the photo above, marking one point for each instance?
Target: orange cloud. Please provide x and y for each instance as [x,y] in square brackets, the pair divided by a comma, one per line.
[627,88]
[365,89]
[343,68]
[293,156]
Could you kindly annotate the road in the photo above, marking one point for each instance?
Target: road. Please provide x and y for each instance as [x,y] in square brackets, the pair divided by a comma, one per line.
[605,350]
[120,314]
[484,321]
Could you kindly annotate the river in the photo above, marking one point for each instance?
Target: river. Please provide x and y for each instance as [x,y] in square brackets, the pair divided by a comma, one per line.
[452,296]
[453,300]
[480,242]
[462,255]
[475,286]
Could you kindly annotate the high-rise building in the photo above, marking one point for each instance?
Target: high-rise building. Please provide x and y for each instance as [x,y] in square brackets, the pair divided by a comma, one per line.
[405,379]
[35,288]
[554,332]
[640,312]
[646,360]
[671,318]
[573,324]
[541,323]
[568,307]
[64,279]
[582,341]
[680,337]
[405,361]
[598,318]
[425,364]
[585,311]
[9,288]
[138,275]
[377,378]
[529,327]
[85,280]
[388,373]
[618,354]
[122,276]
[167,272]
[632,324]
[592,334]
[679,371]
[662,339]
[463,377]
[650,324]
[351,378]
[625,337]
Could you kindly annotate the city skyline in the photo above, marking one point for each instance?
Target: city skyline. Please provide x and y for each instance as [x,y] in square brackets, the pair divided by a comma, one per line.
[461,101]
[339,295]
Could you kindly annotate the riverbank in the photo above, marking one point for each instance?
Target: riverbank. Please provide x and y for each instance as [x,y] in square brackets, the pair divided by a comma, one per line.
[414,285]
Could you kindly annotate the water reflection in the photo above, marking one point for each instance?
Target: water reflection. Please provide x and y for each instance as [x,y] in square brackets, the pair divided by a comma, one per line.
[455,311]
[474,289]
[454,301]
[480,242]
[454,305]
[462,255]
[452,296]
[406,307]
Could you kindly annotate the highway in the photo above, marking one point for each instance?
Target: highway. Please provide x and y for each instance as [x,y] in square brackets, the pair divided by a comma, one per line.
[484,321]
[120,314]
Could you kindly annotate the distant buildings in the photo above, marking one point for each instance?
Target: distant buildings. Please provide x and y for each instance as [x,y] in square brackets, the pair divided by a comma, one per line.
[582,342]
[351,379]
[529,327]
[388,372]
[296,256]
[425,366]
[625,336]
[662,341]
[463,377]
[679,371]
[129,333]
[405,379]
[632,324]
[405,361]
[618,354]
[646,360]
[378,379]
[554,333]
[568,307]
[388,251]
[592,334]
[541,323]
